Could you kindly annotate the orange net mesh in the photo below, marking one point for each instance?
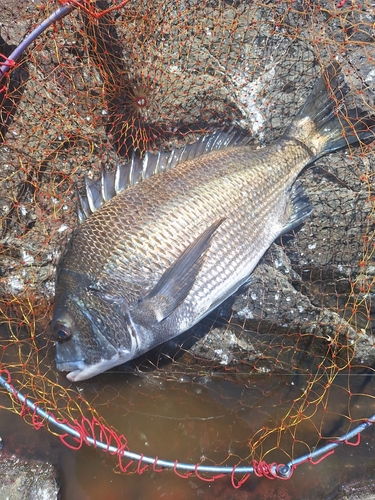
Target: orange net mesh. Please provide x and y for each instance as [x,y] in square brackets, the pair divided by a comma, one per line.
[112,79]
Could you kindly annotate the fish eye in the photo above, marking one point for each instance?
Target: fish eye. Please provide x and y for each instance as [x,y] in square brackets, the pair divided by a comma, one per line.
[62,332]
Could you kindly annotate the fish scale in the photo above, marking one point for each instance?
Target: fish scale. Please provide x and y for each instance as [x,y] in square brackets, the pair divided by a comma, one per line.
[195,210]
[149,263]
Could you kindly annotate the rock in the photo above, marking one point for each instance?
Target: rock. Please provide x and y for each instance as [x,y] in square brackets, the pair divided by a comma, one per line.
[27,480]
[356,490]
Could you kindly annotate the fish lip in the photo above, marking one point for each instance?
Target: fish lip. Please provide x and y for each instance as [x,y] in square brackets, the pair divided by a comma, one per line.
[69,366]
[84,372]
[73,367]
[74,376]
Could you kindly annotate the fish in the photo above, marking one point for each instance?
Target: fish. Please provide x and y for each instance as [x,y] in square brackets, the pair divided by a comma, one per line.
[165,239]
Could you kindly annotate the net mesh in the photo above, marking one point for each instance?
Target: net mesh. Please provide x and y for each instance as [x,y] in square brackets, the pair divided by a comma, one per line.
[113,79]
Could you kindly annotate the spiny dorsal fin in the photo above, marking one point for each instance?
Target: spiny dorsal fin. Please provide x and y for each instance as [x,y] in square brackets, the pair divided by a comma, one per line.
[138,169]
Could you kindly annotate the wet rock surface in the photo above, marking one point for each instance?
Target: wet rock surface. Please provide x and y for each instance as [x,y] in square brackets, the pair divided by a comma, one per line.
[27,480]
[356,490]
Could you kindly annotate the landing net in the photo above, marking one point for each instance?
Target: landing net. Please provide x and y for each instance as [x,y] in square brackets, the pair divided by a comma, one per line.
[292,356]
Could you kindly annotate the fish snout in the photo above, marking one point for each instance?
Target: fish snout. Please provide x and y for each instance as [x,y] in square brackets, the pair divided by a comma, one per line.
[68,357]
[69,366]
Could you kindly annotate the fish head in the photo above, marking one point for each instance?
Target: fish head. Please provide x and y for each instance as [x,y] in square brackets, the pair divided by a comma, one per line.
[90,331]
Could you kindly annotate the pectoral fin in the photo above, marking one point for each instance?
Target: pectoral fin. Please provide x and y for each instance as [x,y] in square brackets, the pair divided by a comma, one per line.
[177,281]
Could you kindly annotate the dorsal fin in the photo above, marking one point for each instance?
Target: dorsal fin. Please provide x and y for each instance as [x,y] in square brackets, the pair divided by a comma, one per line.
[136,170]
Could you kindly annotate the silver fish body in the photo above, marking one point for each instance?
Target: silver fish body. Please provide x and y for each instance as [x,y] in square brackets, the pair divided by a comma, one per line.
[160,255]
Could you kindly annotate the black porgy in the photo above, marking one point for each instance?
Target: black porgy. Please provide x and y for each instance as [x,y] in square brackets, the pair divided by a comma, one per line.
[164,240]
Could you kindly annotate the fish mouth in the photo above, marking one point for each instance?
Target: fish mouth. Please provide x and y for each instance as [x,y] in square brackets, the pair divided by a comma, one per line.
[74,376]
[71,366]
[79,371]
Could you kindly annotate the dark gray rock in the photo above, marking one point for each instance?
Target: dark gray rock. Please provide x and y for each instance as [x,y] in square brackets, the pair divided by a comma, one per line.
[27,480]
[356,490]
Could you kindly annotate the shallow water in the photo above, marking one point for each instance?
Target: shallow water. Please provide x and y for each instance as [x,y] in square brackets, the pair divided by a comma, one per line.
[185,420]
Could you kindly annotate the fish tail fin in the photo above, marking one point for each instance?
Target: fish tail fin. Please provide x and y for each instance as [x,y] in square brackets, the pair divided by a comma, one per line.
[323,124]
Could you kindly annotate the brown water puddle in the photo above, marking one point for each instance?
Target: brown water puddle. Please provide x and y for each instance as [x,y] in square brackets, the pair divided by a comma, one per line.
[187,420]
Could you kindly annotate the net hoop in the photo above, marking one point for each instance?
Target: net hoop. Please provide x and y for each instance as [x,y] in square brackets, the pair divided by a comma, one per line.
[27,41]
[271,471]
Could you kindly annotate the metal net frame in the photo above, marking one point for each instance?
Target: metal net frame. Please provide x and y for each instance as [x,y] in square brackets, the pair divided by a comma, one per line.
[96,434]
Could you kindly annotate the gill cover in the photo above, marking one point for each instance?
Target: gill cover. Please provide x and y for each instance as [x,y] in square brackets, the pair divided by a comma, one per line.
[82,360]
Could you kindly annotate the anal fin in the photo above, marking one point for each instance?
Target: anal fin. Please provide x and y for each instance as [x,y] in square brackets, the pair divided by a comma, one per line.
[177,281]
[299,208]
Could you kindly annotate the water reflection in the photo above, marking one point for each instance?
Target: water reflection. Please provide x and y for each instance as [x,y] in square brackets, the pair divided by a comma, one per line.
[190,412]
[186,421]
